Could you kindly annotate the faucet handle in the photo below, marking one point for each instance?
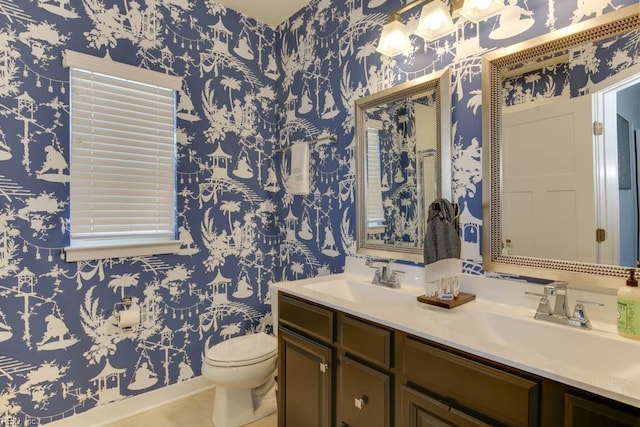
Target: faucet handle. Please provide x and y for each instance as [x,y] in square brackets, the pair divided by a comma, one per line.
[544,307]
[394,279]
[578,311]
[580,315]
[581,302]
[538,294]
[370,262]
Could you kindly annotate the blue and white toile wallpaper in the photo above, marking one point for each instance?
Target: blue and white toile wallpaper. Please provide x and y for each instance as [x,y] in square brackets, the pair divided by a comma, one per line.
[247,90]
[577,73]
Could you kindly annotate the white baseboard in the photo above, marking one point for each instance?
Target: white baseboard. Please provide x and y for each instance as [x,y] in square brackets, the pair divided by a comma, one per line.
[116,411]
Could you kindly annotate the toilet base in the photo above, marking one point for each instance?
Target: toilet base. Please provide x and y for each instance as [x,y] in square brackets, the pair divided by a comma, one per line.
[237,407]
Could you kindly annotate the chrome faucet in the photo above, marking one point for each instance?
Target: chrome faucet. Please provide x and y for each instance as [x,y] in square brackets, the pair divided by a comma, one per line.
[559,290]
[559,313]
[384,275]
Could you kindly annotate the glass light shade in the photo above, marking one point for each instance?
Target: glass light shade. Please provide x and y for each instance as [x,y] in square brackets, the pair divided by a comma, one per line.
[435,21]
[477,10]
[394,39]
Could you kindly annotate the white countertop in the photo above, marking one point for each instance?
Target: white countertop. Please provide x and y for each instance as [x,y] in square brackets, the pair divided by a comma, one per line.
[588,367]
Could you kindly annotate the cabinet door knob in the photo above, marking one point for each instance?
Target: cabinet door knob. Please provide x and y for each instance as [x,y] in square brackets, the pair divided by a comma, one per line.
[359,402]
[324,367]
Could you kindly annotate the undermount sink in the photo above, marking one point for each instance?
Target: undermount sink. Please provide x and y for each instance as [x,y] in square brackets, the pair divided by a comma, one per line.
[594,351]
[362,292]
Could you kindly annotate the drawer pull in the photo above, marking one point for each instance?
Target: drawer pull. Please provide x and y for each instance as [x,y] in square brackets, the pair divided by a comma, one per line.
[324,367]
[359,402]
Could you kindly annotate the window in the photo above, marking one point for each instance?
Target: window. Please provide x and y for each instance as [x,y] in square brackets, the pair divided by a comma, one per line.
[122,160]
[375,209]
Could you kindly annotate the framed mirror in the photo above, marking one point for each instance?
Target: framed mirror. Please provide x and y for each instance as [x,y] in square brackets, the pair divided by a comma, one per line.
[403,162]
[561,121]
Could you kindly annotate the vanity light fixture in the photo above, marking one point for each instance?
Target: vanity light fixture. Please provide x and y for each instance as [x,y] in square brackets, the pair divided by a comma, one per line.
[477,10]
[394,39]
[435,21]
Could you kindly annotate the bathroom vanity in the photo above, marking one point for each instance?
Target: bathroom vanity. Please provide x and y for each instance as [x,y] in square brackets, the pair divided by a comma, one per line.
[371,359]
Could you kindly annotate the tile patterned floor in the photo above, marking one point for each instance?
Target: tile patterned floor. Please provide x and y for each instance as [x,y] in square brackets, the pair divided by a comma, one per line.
[193,411]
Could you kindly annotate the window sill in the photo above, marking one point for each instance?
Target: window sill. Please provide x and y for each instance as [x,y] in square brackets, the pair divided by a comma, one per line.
[88,253]
[376,229]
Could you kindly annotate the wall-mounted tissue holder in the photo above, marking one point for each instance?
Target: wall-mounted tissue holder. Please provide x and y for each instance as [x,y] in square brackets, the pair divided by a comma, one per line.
[126,314]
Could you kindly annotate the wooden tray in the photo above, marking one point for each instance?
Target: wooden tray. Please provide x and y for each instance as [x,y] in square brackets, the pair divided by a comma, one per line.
[462,298]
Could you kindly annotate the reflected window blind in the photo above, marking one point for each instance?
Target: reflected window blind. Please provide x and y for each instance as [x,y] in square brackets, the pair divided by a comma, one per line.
[122,160]
[375,209]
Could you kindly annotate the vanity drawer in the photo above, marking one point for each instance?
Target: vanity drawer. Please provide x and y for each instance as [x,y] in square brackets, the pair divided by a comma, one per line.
[502,396]
[364,395]
[367,341]
[306,317]
[584,411]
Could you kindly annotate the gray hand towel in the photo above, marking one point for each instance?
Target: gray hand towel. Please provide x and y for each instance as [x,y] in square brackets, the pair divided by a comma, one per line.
[441,240]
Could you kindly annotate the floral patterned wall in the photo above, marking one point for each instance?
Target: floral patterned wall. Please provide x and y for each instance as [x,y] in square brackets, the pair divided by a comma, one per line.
[59,351]
[328,58]
[576,74]
[247,91]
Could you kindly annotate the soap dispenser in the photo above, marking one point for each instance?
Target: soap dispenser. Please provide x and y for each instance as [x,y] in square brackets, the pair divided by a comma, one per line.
[629,308]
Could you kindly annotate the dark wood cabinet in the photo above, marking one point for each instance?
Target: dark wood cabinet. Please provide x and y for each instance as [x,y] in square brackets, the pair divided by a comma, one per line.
[304,380]
[421,410]
[365,341]
[364,395]
[585,412]
[306,364]
[336,369]
[310,319]
[500,396]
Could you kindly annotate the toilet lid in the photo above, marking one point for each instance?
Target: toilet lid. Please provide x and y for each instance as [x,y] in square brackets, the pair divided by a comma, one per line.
[243,350]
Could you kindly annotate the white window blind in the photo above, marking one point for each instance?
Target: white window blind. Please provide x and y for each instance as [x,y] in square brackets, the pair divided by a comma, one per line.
[375,209]
[123,174]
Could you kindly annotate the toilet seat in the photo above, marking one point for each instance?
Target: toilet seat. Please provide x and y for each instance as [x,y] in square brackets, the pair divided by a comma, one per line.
[244,350]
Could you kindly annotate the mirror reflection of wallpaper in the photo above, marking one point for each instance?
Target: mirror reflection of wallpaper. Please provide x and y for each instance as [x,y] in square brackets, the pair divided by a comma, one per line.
[247,90]
[398,148]
[576,72]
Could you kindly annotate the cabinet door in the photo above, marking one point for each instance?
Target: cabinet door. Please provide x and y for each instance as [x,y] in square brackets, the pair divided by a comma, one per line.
[581,412]
[304,383]
[364,395]
[420,410]
[507,398]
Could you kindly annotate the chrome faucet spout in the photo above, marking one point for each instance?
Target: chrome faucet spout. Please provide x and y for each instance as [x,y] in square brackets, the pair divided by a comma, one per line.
[384,275]
[559,290]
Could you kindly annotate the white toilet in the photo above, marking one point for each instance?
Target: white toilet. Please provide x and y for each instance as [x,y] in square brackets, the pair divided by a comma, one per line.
[243,369]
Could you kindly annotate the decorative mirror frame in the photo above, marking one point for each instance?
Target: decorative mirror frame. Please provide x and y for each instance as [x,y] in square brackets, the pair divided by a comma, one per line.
[493,63]
[440,81]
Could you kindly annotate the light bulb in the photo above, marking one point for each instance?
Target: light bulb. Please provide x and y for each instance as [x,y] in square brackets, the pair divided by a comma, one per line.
[482,4]
[434,21]
[395,38]
[478,10]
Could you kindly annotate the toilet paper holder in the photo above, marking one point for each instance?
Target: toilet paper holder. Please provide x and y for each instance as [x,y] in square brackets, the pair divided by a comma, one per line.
[121,305]
[122,316]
